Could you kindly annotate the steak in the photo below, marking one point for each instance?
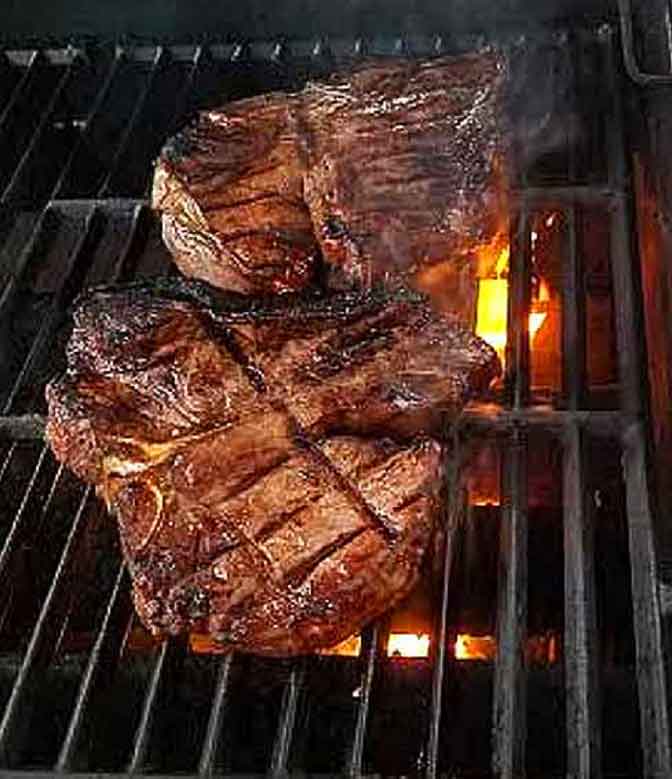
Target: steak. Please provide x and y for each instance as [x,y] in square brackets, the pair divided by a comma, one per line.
[231,194]
[404,165]
[393,169]
[268,460]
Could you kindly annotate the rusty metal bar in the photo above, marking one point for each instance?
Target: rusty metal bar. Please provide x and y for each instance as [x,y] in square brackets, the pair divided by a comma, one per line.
[453,517]
[573,321]
[517,378]
[651,675]
[509,703]
[581,634]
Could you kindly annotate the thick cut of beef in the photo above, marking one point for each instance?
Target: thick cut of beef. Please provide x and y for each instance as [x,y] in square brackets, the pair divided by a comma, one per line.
[404,166]
[231,194]
[398,165]
[261,455]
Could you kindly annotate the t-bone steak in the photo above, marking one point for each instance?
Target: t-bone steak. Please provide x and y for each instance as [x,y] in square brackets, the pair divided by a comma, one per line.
[392,168]
[268,460]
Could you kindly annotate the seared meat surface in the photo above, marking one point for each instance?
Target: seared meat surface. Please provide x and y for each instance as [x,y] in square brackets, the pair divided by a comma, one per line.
[266,459]
[395,167]
[231,194]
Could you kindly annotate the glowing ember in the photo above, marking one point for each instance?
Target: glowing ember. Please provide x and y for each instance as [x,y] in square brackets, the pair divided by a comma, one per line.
[469,647]
[408,645]
[202,644]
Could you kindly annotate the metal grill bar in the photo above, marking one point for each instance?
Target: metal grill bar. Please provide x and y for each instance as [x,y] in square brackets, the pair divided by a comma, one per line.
[206,765]
[628,38]
[579,194]
[12,282]
[370,642]
[518,345]
[283,738]
[188,87]
[89,123]
[22,427]
[648,630]
[452,522]
[13,186]
[573,322]
[648,634]
[157,63]
[20,89]
[509,712]
[141,742]
[509,697]
[581,652]
[57,309]
[183,98]
[66,757]
[12,535]
[12,726]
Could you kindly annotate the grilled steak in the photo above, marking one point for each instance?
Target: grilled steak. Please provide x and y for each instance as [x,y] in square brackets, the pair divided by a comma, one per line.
[397,165]
[403,164]
[227,434]
[231,194]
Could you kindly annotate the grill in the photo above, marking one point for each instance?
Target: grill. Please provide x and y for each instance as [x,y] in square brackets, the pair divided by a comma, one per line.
[83,689]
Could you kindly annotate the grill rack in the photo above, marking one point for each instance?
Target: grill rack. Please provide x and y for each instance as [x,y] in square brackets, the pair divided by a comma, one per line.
[122,225]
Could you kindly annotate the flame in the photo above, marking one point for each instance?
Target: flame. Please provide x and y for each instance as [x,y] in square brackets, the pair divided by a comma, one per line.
[468,647]
[492,304]
[408,645]
[540,649]
[351,647]
[491,313]
[484,500]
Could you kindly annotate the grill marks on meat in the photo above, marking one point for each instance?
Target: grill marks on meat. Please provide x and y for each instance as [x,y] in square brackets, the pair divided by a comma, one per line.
[231,195]
[403,164]
[248,509]
[394,168]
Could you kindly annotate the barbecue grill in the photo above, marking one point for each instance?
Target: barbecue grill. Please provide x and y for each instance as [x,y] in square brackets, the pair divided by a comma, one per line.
[566,550]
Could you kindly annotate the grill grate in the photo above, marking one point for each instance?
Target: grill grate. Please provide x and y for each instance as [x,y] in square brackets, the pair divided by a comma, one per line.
[86,125]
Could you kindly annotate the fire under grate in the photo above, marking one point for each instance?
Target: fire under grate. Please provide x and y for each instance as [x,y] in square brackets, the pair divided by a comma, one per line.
[83,689]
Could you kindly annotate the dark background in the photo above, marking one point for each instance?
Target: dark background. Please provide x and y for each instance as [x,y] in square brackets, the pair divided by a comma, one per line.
[183,19]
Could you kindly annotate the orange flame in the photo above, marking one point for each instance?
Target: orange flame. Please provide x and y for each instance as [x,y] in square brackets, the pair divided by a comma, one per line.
[492,303]
[351,647]
[540,649]
[408,645]
[468,647]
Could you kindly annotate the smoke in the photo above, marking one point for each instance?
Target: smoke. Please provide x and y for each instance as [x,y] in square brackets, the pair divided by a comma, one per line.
[544,118]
